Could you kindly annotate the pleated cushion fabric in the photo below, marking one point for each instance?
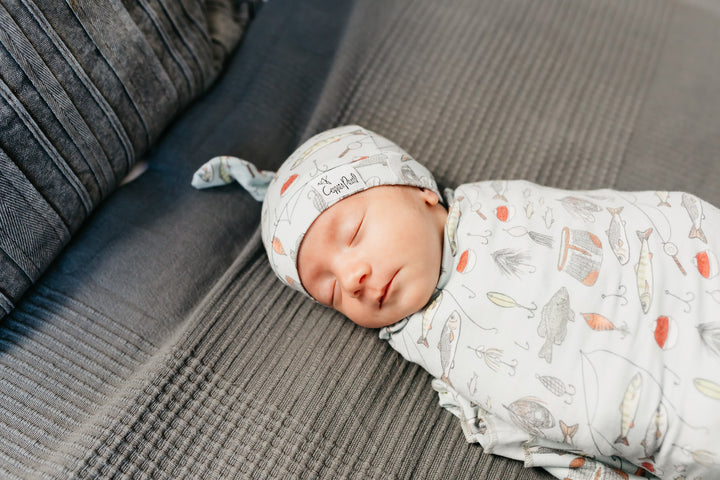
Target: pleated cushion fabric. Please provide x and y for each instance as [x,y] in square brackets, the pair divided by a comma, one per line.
[85,88]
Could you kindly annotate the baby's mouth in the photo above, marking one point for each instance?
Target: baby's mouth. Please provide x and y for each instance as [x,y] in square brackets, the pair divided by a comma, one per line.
[385,291]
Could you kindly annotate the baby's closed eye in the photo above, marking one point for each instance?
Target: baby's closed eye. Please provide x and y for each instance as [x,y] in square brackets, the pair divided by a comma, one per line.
[356,231]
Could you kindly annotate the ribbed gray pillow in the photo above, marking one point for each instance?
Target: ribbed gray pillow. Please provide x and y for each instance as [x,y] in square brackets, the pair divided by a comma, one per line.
[85,88]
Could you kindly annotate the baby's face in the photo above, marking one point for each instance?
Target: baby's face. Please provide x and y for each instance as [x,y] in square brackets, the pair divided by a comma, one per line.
[375,256]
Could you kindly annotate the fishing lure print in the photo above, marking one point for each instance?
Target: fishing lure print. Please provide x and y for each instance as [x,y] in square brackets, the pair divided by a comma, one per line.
[628,408]
[493,358]
[448,345]
[539,238]
[557,387]
[665,332]
[580,207]
[707,387]
[694,209]
[600,323]
[707,264]
[505,301]
[617,236]
[555,316]
[644,272]
[504,212]
[466,262]
[512,262]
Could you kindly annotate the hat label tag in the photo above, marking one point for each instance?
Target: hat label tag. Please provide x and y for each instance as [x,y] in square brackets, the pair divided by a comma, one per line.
[339,183]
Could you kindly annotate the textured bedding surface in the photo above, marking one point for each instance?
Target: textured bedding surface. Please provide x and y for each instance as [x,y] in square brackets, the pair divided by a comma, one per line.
[160,345]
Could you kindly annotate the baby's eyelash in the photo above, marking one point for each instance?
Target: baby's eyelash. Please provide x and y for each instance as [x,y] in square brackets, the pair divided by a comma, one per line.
[357,230]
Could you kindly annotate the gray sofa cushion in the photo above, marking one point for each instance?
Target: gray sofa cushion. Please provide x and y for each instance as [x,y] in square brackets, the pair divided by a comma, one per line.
[85,88]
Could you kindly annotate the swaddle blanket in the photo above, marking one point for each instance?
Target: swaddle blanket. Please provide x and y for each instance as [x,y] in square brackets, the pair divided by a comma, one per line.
[578,331]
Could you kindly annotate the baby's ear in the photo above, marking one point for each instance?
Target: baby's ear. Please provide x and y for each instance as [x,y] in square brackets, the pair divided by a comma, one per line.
[429,196]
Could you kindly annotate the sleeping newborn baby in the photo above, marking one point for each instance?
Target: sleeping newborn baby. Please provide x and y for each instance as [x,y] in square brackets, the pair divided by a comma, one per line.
[572,330]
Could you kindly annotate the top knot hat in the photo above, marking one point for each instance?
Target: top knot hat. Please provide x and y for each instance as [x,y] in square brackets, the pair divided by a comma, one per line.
[328,167]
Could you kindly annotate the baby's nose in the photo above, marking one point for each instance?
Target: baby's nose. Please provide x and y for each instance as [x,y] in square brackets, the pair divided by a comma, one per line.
[355,277]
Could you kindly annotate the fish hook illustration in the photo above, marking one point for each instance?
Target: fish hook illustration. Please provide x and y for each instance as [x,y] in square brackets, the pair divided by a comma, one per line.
[691,297]
[621,291]
[483,237]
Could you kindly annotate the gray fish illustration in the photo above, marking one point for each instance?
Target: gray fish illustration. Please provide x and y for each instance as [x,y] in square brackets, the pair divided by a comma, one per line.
[553,324]
[448,345]
[580,207]
[529,414]
[617,236]
[694,209]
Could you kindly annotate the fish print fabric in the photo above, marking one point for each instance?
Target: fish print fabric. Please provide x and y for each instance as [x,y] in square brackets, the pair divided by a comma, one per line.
[578,330]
